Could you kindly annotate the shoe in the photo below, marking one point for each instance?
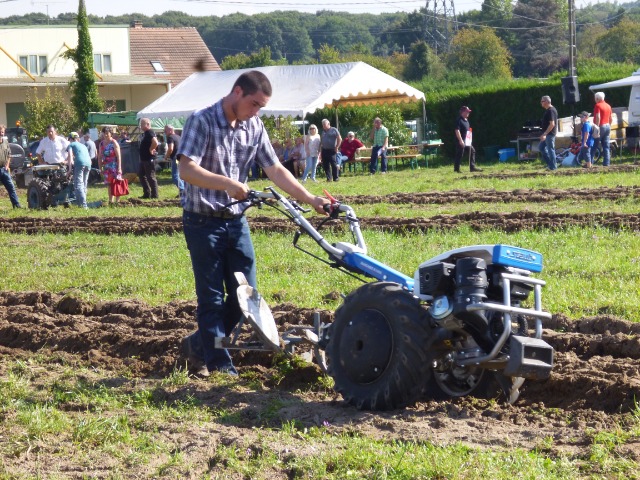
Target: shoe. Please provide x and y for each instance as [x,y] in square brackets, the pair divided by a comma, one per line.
[155,197]
[144,197]
[336,179]
[476,170]
[195,363]
[18,206]
[383,173]
[456,170]
[229,370]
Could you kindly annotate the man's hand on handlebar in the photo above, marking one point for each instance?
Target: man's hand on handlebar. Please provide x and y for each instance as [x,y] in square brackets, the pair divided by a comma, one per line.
[319,203]
[237,190]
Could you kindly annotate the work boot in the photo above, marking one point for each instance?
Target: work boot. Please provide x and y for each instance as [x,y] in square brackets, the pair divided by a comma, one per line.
[195,363]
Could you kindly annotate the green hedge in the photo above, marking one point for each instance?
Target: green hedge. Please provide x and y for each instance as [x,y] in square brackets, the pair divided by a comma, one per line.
[500,111]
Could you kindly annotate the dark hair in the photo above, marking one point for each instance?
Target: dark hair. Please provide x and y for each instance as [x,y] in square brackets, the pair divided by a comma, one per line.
[107,129]
[251,82]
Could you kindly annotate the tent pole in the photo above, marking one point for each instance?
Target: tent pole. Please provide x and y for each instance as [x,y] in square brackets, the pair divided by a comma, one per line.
[424,121]
[337,126]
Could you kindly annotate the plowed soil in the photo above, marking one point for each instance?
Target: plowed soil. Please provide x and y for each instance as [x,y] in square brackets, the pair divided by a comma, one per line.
[593,385]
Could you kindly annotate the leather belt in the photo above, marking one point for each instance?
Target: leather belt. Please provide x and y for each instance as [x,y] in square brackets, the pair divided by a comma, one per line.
[223,215]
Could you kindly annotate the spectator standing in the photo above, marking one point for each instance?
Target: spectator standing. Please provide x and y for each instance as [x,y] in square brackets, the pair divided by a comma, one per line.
[173,143]
[379,137]
[79,162]
[330,140]
[109,161]
[464,141]
[348,149]
[147,168]
[219,144]
[312,149]
[549,130]
[586,140]
[5,168]
[52,148]
[602,118]
[91,148]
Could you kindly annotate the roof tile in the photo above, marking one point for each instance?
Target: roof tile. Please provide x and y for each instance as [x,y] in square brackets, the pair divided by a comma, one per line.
[181,51]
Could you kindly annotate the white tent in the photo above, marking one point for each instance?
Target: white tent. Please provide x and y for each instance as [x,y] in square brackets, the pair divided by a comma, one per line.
[634,79]
[633,115]
[297,90]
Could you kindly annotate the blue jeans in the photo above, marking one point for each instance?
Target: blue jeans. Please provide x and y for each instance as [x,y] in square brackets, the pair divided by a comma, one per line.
[329,164]
[80,181]
[255,172]
[175,175]
[310,168]
[373,165]
[605,135]
[585,154]
[218,248]
[548,149]
[5,178]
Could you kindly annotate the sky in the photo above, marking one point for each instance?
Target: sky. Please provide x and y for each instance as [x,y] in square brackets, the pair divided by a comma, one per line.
[102,8]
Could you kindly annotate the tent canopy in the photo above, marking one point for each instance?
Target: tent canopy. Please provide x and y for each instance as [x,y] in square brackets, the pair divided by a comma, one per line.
[297,90]
[634,79]
[127,119]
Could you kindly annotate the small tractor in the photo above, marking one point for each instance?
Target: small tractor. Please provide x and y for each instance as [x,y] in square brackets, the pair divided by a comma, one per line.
[458,326]
[48,186]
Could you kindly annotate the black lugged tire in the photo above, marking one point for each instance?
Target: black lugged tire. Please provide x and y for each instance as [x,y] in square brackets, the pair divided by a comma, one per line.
[376,351]
[38,195]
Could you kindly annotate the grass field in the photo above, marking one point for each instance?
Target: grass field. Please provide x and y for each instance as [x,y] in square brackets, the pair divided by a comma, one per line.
[63,419]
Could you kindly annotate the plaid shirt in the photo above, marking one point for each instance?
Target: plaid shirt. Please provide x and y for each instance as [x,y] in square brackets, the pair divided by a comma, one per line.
[379,135]
[209,140]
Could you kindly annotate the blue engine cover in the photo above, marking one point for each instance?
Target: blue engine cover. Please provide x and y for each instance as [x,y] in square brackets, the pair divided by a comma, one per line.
[517,257]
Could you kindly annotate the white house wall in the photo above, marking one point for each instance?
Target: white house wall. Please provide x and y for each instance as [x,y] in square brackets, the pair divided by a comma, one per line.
[50,41]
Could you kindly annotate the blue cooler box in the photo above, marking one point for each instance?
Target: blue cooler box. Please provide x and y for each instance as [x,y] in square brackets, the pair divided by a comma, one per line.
[505,153]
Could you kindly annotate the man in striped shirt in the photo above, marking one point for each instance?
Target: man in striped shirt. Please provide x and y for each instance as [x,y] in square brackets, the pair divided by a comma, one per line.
[219,145]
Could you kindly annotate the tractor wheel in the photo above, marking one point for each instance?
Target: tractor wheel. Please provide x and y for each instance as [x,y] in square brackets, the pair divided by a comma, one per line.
[38,194]
[449,380]
[376,350]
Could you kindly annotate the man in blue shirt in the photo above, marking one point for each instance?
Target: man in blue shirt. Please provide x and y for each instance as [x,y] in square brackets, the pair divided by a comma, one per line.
[586,141]
[218,147]
[79,159]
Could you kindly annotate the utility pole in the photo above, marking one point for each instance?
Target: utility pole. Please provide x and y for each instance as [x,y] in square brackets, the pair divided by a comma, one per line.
[570,91]
[46,4]
[572,39]
[440,24]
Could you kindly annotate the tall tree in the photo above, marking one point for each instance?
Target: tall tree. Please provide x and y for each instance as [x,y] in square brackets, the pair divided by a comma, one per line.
[423,62]
[621,44]
[480,53]
[84,90]
[542,31]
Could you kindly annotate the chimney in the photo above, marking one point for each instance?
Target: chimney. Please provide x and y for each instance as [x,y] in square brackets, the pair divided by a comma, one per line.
[137,24]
